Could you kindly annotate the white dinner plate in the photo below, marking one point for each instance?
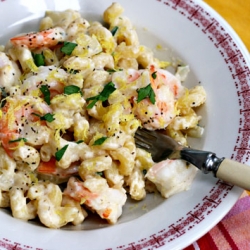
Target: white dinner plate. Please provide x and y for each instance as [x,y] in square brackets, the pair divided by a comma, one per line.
[189,31]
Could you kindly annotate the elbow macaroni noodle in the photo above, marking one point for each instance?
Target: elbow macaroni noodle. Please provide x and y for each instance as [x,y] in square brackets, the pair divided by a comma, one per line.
[69,114]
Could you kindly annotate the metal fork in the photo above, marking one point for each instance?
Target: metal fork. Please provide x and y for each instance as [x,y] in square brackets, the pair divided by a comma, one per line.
[162,147]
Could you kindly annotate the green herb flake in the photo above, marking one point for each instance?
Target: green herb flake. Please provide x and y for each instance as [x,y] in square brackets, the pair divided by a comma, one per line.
[99,173]
[3,96]
[68,48]
[39,59]
[47,117]
[18,140]
[59,154]
[3,92]
[111,70]
[100,141]
[146,92]
[144,171]
[108,89]
[80,141]
[114,30]
[73,71]
[154,75]
[72,89]
[45,90]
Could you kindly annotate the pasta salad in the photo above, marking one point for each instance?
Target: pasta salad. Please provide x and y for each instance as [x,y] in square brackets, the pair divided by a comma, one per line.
[73,95]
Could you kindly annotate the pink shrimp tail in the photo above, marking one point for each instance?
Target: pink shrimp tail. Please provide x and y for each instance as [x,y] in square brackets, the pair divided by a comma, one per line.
[46,38]
[76,190]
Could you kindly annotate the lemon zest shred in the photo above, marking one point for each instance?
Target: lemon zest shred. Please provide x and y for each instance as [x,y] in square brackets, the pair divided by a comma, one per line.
[164,64]
[31,65]
[158,47]
[33,177]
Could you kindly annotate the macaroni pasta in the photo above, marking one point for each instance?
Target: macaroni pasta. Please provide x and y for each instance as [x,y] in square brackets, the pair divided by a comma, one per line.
[72,97]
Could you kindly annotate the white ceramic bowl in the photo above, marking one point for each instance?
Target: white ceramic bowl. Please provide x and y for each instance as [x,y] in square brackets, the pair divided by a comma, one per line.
[194,33]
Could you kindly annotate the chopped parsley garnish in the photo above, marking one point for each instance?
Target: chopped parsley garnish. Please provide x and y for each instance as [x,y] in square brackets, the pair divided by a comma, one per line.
[114,30]
[45,90]
[73,71]
[113,70]
[80,141]
[39,59]
[100,141]
[18,140]
[108,89]
[68,48]
[99,173]
[154,75]
[59,154]
[146,92]
[72,89]
[3,96]
[47,117]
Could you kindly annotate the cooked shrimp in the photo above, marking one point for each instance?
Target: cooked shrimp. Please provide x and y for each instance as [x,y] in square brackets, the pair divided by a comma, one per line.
[9,72]
[45,38]
[97,195]
[51,76]
[18,124]
[76,190]
[166,87]
[171,176]
[49,171]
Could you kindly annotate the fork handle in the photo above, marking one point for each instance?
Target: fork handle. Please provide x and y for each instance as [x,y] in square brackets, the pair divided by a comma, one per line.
[225,169]
[235,173]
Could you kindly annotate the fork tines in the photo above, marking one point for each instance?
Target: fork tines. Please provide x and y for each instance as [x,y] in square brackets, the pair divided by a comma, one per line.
[143,138]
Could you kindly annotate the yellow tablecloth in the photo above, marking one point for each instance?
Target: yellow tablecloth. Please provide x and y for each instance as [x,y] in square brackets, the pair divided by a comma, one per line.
[237,14]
